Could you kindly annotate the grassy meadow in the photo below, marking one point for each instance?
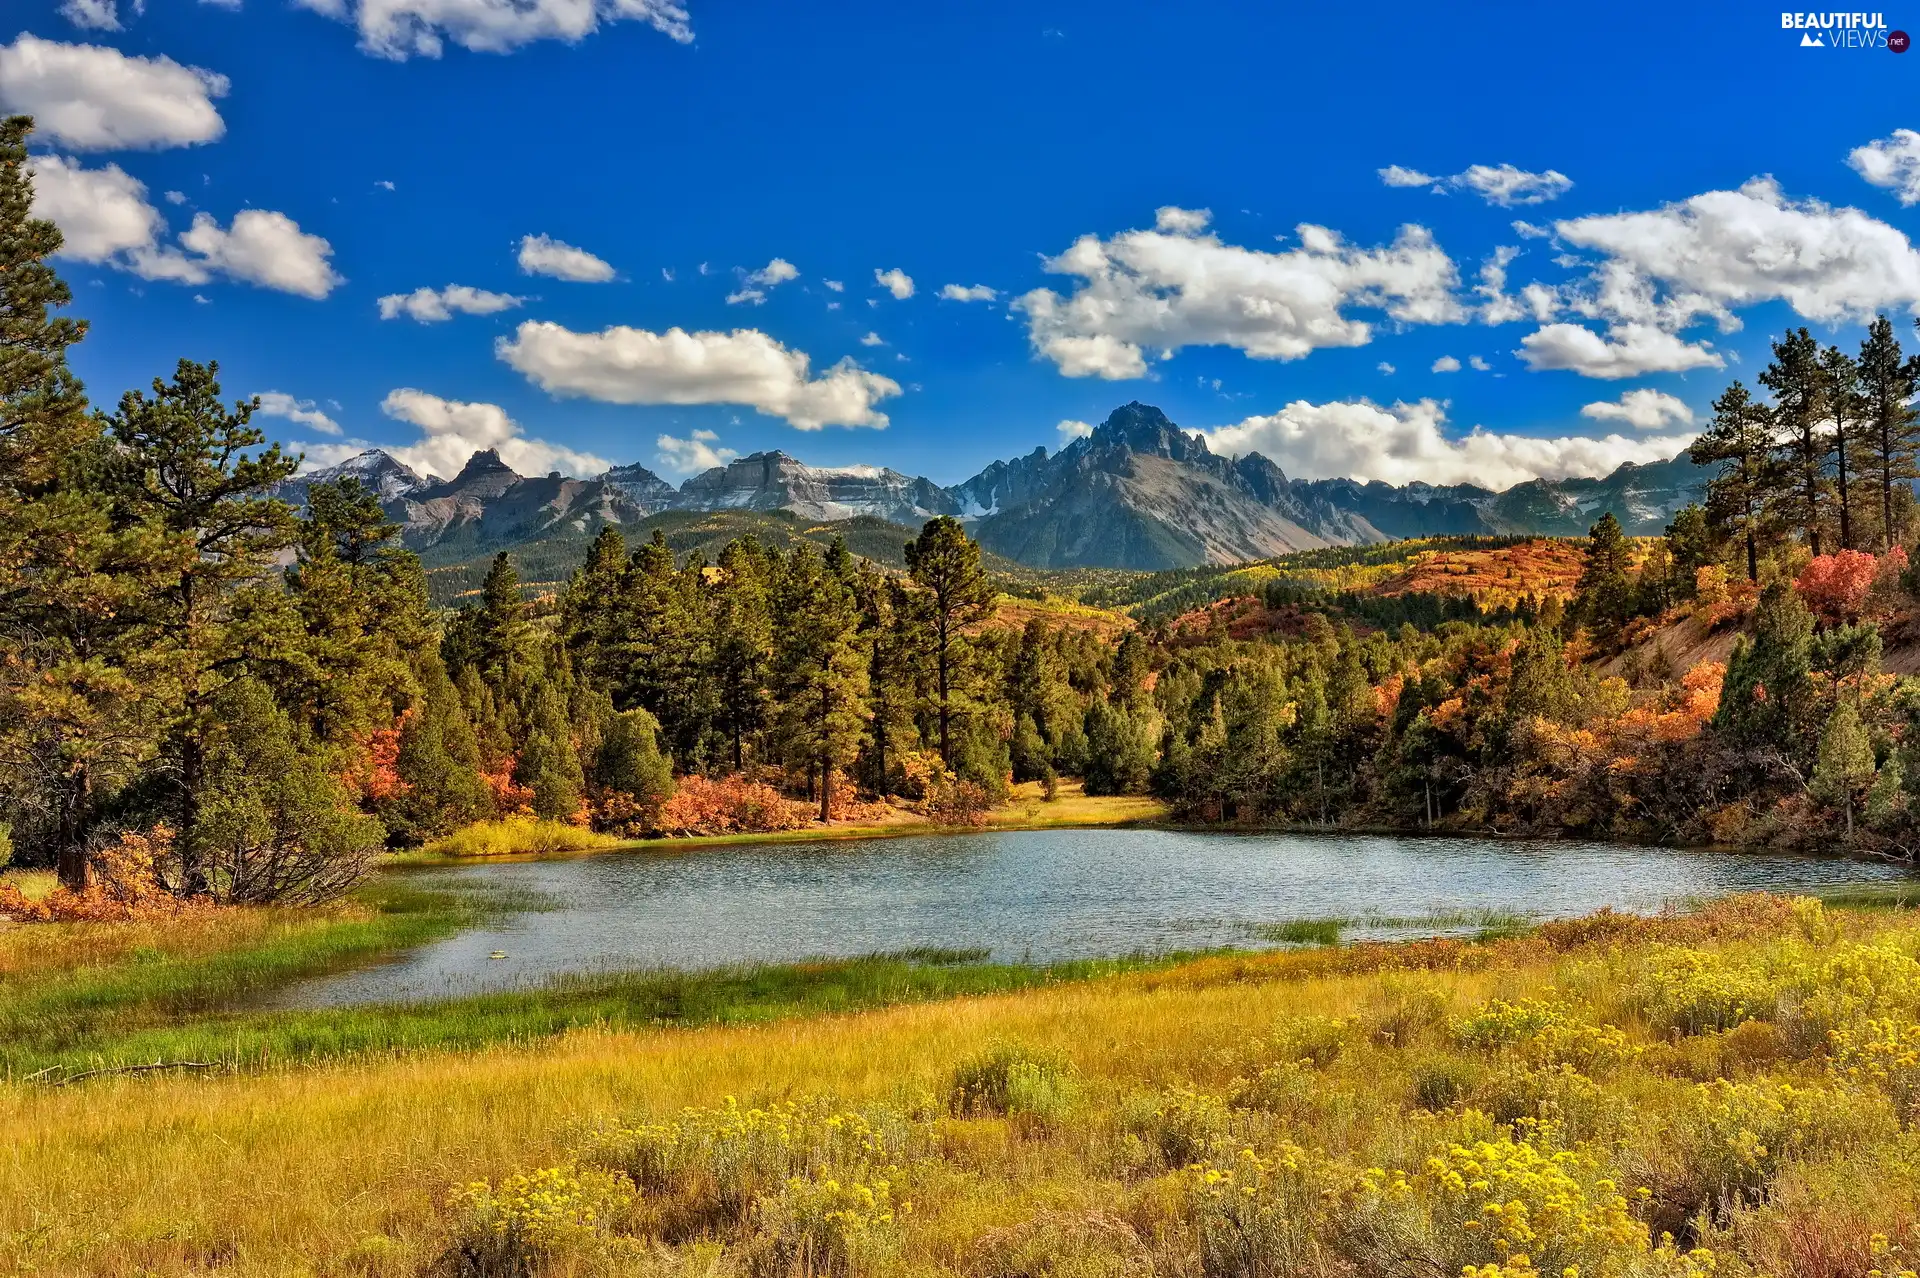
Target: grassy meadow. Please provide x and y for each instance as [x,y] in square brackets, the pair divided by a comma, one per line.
[1726,1093]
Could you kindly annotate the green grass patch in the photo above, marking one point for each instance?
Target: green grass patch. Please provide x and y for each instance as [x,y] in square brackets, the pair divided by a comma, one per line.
[148,990]
[1301,931]
[1904,895]
[260,1039]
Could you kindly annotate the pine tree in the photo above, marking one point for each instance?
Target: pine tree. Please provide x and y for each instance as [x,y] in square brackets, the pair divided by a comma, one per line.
[438,763]
[273,821]
[361,603]
[1845,766]
[1691,546]
[1740,441]
[1797,381]
[819,676]
[1891,434]
[661,659]
[43,407]
[1767,701]
[1846,408]
[549,764]
[590,605]
[945,563]
[501,632]
[1604,597]
[198,470]
[741,645]
[629,762]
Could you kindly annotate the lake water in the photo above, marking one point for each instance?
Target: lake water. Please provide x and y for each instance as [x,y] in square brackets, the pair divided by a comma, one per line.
[1042,894]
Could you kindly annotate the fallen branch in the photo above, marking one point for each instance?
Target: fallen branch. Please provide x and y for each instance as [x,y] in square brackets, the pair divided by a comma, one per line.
[122,1069]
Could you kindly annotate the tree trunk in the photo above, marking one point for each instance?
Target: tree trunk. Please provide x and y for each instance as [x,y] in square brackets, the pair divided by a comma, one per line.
[946,745]
[75,871]
[1840,477]
[826,790]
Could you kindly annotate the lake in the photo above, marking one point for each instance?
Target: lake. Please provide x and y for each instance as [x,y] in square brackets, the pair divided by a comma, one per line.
[1033,894]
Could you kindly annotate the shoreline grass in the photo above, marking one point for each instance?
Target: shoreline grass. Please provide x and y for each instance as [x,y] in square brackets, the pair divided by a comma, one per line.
[1283,1075]
[256,1040]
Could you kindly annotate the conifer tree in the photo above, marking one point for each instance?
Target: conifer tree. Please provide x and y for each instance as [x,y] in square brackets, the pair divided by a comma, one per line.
[741,646]
[438,763]
[1845,765]
[819,676]
[945,563]
[1798,383]
[1767,701]
[82,679]
[501,635]
[1846,408]
[1740,441]
[590,605]
[1891,428]
[199,471]
[549,764]
[1604,597]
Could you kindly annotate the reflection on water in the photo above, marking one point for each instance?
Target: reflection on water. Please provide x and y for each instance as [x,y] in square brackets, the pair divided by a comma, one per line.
[1039,894]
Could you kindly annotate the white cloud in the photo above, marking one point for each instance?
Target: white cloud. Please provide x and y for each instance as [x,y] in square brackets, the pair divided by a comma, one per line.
[301,411]
[1642,409]
[400,29]
[105,218]
[1144,291]
[95,15]
[320,456]
[176,197]
[1507,186]
[1628,350]
[622,365]
[1070,429]
[690,456]
[873,339]
[1892,162]
[544,255]
[774,273]
[1478,364]
[385,185]
[1501,184]
[1178,221]
[1527,230]
[1499,307]
[778,271]
[430,306]
[1446,364]
[102,213]
[1710,253]
[453,431]
[835,285]
[963,293]
[895,281]
[264,248]
[1359,439]
[92,98]
[1395,175]
[1385,367]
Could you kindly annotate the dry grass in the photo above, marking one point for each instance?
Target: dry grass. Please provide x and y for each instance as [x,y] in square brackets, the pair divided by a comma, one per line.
[346,1169]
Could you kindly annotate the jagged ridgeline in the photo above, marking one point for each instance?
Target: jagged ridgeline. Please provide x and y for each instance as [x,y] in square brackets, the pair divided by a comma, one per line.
[1139,493]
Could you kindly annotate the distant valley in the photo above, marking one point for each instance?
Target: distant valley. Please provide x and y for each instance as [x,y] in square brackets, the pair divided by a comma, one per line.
[1139,493]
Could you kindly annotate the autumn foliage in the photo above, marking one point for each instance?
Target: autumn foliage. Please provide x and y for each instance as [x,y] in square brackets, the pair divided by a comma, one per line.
[124,885]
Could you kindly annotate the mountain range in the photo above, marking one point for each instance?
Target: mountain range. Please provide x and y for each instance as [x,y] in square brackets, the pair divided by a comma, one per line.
[1139,492]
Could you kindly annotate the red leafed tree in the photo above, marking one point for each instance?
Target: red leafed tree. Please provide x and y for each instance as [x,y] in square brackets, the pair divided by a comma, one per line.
[1835,586]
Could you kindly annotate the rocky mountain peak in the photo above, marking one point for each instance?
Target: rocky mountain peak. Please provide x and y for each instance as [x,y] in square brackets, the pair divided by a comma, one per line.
[1142,428]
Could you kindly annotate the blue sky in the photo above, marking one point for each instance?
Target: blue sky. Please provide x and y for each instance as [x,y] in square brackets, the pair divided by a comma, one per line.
[970,145]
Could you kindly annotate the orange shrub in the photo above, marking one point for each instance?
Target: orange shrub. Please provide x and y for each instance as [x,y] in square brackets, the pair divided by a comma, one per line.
[1835,586]
[730,805]
[126,885]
